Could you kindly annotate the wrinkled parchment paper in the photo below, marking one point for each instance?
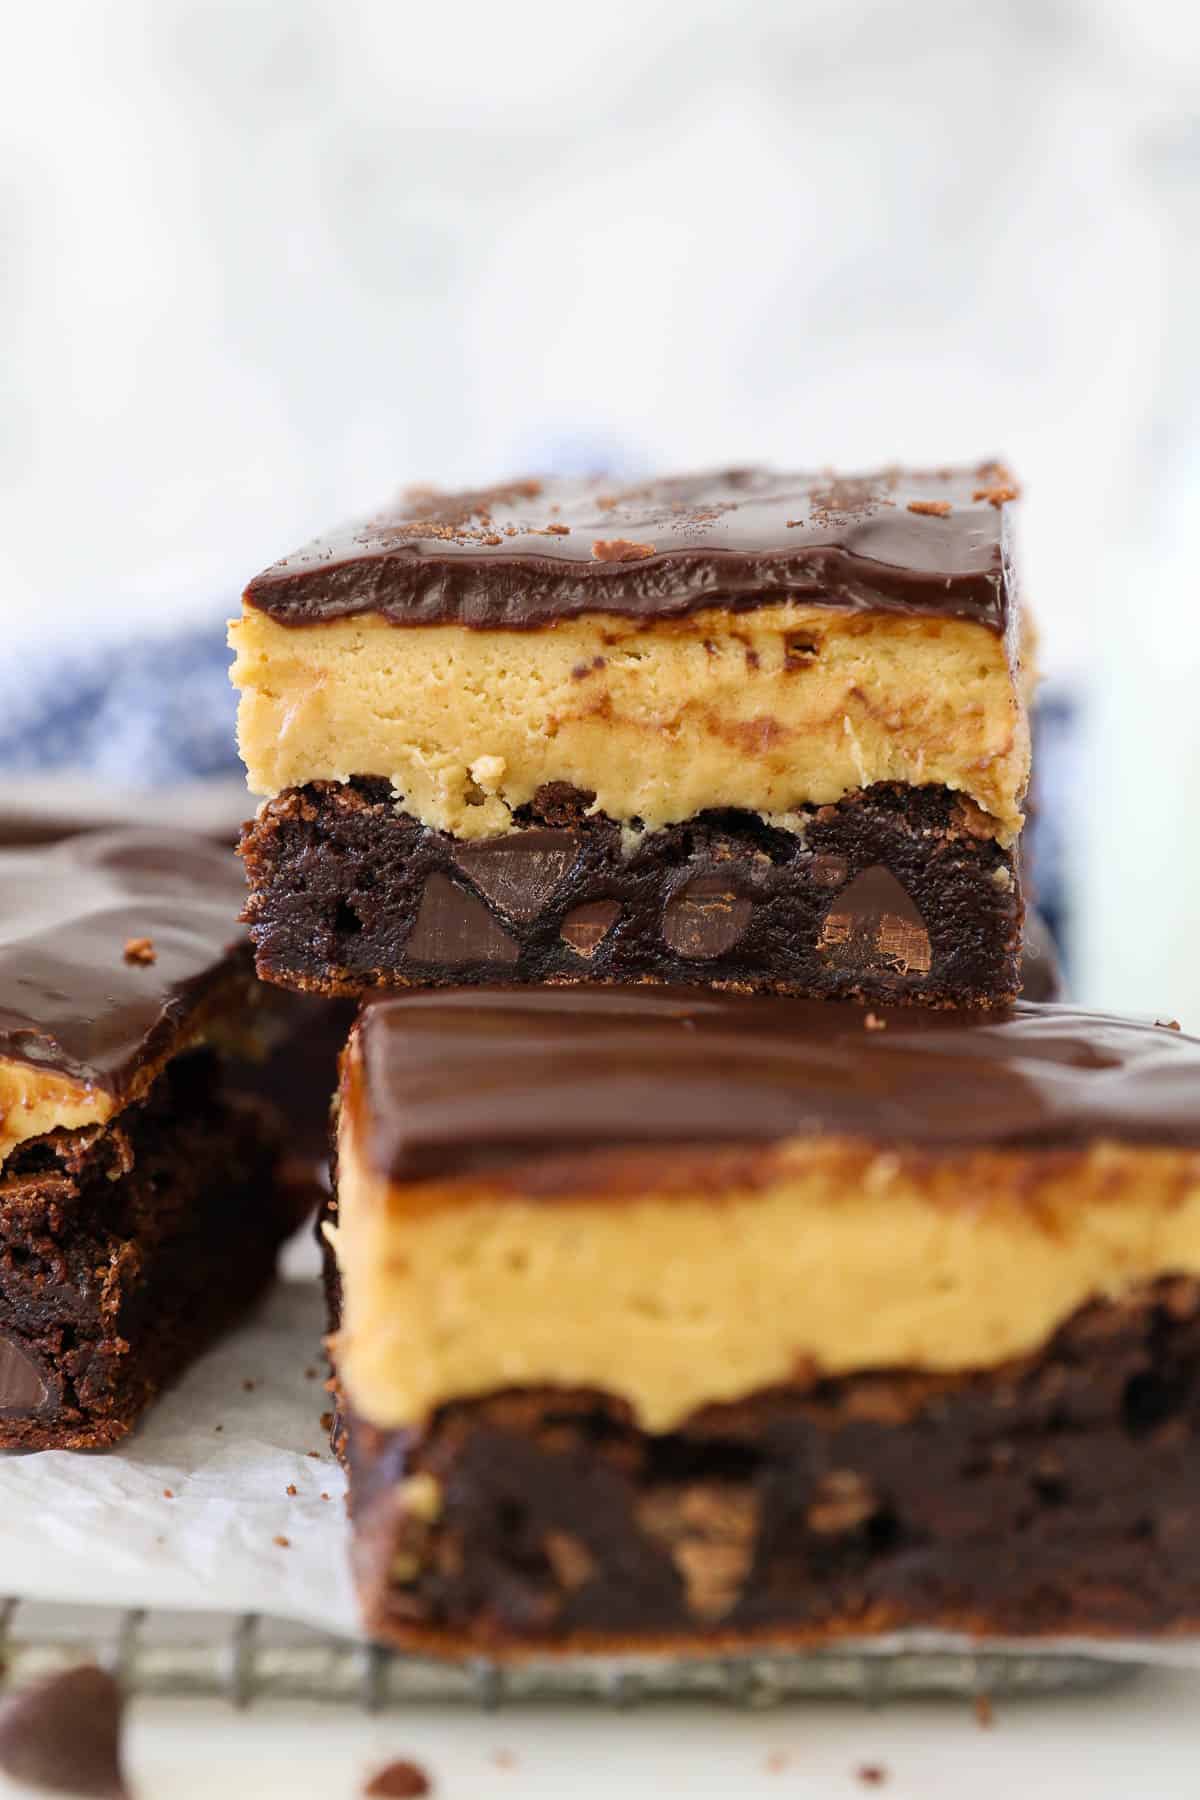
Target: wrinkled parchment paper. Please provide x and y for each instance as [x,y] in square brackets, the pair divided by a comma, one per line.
[100,1527]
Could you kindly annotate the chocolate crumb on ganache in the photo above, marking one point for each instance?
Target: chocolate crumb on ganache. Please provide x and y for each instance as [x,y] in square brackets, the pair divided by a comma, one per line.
[140,950]
[400,1780]
[934,509]
[63,1735]
[619,550]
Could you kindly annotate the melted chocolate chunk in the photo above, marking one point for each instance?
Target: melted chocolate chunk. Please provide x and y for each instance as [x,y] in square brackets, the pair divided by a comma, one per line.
[735,537]
[63,1735]
[706,919]
[519,874]
[23,1387]
[585,927]
[70,1000]
[873,927]
[453,928]
[527,1072]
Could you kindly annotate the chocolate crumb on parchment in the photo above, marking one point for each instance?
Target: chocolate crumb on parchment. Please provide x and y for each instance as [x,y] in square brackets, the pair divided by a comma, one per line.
[140,950]
[398,1780]
[871,1774]
[285,1543]
[619,550]
[984,1713]
[63,1735]
[291,1490]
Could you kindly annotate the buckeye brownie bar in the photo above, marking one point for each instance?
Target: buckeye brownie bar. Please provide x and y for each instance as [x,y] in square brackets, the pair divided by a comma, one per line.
[749,729]
[140,1210]
[704,1321]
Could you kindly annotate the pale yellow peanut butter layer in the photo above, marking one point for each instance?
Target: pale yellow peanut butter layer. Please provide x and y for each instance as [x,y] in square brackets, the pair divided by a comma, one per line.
[34,1101]
[769,710]
[745,1270]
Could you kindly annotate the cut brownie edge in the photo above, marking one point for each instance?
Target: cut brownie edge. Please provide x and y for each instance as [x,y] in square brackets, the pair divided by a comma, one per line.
[893,894]
[124,1252]
[1052,1498]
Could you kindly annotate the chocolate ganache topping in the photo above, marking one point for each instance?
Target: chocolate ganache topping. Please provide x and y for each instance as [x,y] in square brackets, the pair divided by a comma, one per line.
[463,1080]
[931,542]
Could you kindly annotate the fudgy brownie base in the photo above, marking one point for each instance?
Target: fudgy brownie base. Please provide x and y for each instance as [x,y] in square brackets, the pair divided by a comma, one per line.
[1056,1497]
[123,1250]
[894,894]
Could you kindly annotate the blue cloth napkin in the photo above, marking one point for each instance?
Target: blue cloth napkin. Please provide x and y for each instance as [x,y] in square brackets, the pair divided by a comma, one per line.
[143,713]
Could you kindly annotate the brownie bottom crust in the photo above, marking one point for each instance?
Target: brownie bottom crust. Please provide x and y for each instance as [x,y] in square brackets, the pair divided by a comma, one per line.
[1055,1497]
[896,893]
[124,1250]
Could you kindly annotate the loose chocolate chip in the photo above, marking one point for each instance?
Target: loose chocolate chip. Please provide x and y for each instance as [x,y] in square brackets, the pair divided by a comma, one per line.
[519,874]
[706,918]
[586,927]
[23,1388]
[453,927]
[874,928]
[63,1735]
[400,1780]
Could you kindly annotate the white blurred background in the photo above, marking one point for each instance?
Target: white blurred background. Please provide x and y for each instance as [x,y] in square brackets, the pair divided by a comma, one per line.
[264,260]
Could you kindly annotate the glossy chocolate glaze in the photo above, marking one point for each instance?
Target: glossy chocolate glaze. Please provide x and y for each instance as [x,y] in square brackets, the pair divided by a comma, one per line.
[931,542]
[70,1000]
[461,1080]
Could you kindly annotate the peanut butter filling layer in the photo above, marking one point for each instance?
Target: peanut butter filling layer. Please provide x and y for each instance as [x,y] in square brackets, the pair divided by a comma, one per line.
[737,1268]
[769,710]
[34,1101]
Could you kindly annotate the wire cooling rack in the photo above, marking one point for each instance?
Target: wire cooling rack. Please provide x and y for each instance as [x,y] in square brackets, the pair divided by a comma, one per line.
[248,1658]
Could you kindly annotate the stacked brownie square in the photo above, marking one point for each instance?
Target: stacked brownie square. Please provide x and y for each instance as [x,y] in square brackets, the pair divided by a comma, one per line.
[723,1256]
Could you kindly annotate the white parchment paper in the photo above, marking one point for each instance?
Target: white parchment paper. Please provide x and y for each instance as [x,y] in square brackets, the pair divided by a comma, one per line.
[100,1528]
